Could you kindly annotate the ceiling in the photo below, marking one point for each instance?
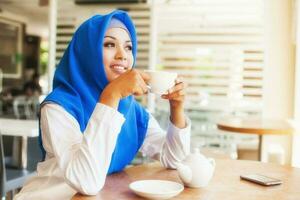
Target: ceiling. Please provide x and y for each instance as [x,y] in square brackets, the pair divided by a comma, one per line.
[34,13]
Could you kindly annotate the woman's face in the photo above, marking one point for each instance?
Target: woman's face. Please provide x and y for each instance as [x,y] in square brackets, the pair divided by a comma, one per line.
[117,53]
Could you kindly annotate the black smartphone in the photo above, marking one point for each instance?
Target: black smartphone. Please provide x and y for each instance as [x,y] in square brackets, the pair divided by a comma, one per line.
[261,179]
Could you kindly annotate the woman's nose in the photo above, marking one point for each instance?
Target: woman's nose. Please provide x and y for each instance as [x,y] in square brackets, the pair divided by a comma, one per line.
[121,54]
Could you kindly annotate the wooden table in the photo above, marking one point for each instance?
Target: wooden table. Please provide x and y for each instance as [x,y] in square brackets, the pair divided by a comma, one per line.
[225,184]
[259,127]
[23,129]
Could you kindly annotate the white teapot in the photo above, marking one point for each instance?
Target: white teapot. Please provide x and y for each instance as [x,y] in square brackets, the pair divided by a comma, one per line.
[196,170]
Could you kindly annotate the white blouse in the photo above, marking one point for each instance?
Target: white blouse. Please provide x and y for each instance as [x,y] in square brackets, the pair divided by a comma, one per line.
[77,162]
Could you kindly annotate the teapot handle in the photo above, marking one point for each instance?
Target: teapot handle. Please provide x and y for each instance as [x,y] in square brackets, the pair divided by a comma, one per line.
[212,162]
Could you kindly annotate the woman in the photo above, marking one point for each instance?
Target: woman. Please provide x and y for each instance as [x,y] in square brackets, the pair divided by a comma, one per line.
[91,126]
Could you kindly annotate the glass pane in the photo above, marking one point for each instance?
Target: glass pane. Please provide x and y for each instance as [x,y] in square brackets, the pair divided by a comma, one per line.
[9,56]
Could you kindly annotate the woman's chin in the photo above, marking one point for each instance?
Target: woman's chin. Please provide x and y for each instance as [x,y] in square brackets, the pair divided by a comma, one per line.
[113,77]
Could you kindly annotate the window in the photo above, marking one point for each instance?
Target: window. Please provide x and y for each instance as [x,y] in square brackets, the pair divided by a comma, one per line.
[216,47]
[11,48]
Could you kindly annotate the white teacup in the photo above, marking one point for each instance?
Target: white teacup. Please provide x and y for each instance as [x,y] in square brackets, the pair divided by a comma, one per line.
[161,81]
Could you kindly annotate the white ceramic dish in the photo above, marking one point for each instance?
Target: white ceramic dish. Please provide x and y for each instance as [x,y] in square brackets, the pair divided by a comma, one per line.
[156,189]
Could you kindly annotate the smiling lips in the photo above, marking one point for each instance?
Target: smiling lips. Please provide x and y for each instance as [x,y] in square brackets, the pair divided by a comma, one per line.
[118,68]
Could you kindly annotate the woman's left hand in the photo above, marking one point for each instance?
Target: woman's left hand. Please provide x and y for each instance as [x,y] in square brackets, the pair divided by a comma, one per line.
[176,97]
[176,94]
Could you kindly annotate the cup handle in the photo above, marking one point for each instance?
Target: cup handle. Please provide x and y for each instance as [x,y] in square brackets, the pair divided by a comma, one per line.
[149,88]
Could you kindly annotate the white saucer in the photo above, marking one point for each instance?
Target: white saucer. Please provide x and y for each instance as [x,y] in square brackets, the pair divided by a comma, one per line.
[156,189]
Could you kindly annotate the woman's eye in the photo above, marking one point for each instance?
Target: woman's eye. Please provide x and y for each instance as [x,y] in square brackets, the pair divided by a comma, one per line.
[129,47]
[109,44]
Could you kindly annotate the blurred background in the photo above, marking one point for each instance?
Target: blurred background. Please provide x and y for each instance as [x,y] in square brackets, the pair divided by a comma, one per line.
[240,59]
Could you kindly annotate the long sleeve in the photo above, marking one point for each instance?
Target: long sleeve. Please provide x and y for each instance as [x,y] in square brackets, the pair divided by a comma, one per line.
[169,147]
[83,158]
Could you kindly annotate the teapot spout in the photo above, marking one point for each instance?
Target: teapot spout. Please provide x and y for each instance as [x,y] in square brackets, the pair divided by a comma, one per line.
[185,173]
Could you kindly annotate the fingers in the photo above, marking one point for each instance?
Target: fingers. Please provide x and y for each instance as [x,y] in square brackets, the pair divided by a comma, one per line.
[178,80]
[177,92]
[178,86]
[140,91]
[143,88]
[178,95]
[131,82]
[140,86]
[145,76]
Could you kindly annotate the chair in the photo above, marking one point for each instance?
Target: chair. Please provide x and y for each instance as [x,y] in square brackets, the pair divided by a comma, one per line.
[32,105]
[11,178]
[20,107]
[26,107]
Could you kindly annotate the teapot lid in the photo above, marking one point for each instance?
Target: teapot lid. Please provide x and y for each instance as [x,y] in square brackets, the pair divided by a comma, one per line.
[195,157]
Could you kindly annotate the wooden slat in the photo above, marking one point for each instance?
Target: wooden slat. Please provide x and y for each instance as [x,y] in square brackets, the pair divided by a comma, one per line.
[213,46]
[143,47]
[195,65]
[211,31]
[209,39]
[139,15]
[219,81]
[213,73]
[65,31]
[64,38]
[61,46]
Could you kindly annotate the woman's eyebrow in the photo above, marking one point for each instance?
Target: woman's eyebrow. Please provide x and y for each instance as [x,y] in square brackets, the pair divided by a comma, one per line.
[115,38]
[110,37]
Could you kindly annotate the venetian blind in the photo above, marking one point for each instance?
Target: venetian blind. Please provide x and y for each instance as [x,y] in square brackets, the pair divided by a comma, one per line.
[216,46]
[71,15]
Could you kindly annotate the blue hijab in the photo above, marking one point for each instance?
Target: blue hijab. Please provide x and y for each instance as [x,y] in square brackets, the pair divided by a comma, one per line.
[80,79]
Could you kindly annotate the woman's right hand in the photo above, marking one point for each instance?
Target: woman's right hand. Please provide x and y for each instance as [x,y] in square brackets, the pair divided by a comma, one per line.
[132,82]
